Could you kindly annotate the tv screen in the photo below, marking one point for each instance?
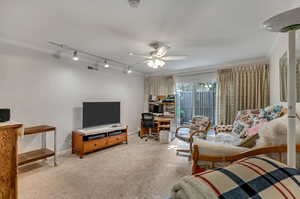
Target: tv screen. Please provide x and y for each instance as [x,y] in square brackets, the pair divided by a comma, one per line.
[156,108]
[100,113]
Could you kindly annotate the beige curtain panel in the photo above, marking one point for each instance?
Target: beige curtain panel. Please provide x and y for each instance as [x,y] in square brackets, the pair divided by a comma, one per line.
[240,88]
[159,85]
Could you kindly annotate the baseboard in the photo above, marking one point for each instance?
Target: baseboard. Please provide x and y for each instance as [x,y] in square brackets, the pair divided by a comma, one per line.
[131,133]
[64,152]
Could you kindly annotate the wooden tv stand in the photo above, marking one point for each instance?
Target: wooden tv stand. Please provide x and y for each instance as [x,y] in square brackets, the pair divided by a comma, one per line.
[85,141]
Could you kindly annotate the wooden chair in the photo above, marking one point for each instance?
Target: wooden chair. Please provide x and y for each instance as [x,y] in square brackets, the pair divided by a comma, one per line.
[200,124]
[196,156]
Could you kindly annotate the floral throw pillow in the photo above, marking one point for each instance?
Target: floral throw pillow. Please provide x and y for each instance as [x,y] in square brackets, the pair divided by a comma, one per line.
[223,128]
[243,121]
[271,112]
[255,129]
[238,128]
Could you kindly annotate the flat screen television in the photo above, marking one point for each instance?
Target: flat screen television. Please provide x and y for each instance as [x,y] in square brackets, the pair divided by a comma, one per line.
[100,113]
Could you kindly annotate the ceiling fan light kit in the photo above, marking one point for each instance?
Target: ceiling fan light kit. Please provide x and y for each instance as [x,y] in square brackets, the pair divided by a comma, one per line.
[155,63]
[157,58]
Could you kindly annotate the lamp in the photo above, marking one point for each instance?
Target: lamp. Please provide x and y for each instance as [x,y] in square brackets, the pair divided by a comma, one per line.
[289,21]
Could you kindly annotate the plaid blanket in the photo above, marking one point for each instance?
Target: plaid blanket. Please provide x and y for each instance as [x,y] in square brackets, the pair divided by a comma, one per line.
[256,177]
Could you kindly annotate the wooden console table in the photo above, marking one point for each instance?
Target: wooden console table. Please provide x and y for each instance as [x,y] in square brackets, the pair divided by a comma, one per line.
[42,153]
[85,142]
[8,160]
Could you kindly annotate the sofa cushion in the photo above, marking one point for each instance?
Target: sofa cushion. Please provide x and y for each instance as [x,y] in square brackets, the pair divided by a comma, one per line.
[223,128]
[217,149]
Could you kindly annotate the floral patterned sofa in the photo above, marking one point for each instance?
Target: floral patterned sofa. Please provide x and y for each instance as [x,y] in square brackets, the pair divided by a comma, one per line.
[249,121]
[245,127]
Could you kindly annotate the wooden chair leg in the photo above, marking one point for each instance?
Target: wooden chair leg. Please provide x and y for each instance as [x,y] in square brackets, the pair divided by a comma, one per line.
[195,154]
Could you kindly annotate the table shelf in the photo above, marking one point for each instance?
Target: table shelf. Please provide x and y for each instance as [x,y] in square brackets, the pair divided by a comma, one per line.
[38,129]
[34,155]
[42,153]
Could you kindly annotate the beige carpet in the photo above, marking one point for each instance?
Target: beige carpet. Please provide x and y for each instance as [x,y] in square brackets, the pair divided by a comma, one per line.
[139,170]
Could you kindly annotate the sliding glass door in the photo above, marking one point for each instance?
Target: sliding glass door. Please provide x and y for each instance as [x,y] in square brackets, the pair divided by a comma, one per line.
[195,99]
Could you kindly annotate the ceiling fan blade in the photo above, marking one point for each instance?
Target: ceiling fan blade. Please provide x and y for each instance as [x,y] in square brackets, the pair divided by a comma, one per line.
[174,58]
[140,55]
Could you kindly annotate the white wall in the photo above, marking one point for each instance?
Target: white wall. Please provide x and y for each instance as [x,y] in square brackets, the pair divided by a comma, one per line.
[42,90]
[279,48]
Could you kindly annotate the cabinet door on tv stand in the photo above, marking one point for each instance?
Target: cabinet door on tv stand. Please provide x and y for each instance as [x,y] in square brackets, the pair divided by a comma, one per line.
[116,139]
[94,145]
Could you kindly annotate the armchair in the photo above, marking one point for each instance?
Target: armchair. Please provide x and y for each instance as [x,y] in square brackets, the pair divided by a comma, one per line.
[200,125]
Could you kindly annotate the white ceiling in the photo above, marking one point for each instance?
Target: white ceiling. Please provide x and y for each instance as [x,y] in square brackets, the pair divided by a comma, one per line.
[210,32]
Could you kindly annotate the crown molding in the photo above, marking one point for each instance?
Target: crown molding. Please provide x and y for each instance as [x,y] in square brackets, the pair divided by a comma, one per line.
[212,68]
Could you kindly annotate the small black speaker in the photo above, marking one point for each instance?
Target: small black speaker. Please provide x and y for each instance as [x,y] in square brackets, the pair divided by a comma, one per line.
[4,115]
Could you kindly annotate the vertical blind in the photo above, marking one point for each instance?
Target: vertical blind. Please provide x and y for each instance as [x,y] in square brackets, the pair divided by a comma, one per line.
[195,96]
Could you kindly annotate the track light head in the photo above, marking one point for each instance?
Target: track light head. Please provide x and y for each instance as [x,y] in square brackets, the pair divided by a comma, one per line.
[134,3]
[75,56]
[129,70]
[93,68]
[106,65]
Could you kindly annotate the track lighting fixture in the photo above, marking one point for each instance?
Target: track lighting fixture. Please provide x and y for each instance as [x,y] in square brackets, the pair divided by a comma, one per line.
[75,56]
[106,65]
[90,57]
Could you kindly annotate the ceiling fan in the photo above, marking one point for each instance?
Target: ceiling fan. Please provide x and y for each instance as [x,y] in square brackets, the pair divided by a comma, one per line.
[158,57]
